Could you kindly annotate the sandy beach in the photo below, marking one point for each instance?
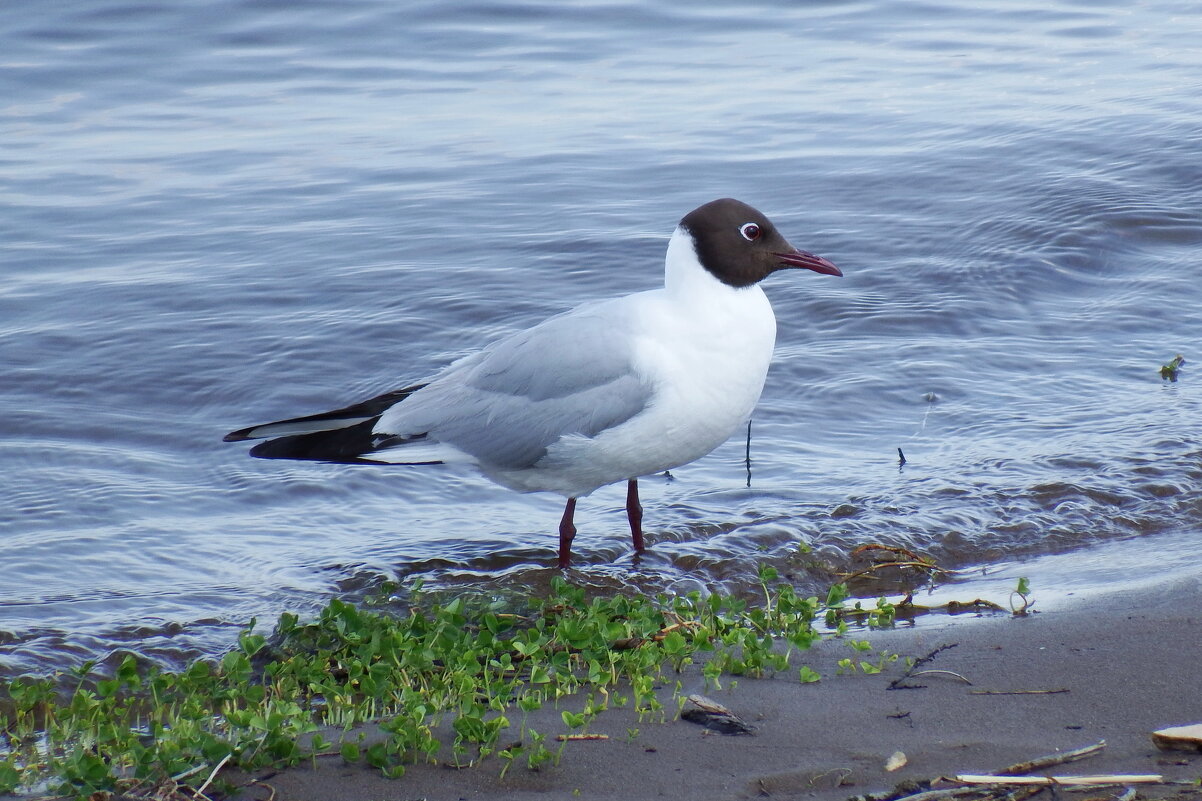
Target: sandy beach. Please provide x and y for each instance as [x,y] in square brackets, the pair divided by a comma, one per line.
[1120,665]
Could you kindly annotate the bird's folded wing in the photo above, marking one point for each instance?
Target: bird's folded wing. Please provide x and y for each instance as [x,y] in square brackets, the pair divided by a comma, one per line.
[571,375]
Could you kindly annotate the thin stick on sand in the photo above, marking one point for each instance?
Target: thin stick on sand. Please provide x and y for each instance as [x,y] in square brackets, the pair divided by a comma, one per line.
[1019,692]
[1053,759]
[571,738]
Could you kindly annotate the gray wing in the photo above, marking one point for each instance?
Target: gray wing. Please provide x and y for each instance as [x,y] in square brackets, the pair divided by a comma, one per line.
[570,375]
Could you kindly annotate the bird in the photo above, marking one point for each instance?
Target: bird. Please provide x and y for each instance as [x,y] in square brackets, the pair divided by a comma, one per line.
[613,390]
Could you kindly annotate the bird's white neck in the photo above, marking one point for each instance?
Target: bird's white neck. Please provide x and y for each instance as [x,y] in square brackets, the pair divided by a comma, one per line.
[684,275]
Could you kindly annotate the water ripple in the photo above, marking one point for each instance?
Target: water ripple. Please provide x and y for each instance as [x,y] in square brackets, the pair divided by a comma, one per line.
[217,214]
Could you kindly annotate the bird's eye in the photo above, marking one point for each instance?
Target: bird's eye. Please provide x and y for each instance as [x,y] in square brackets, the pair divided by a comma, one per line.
[750,231]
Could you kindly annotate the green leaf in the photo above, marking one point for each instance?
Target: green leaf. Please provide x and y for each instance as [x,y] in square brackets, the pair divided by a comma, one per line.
[836,595]
[1169,371]
[526,649]
[673,643]
[377,755]
[10,779]
[251,644]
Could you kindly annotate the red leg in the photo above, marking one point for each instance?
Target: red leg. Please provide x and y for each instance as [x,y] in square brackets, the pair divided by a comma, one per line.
[634,513]
[567,532]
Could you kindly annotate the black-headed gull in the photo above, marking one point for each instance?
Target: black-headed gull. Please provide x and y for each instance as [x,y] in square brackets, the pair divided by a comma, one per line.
[607,392]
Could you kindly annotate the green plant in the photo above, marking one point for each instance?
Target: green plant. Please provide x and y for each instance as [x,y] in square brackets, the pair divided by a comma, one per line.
[1168,372]
[311,686]
[1023,591]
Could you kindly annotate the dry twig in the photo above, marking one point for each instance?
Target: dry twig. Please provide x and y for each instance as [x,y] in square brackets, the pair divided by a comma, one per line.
[876,566]
[1024,786]
[200,791]
[630,643]
[564,738]
[1053,759]
[906,552]
[942,795]
[897,684]
[270,789]
[1018,692]
[1023,793]
[941,673]
[907,607]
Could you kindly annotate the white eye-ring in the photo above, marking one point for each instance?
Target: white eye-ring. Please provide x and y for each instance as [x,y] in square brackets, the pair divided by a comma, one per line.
[750,231]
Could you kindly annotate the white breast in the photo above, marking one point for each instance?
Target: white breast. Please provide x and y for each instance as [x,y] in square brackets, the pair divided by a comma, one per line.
[705,348]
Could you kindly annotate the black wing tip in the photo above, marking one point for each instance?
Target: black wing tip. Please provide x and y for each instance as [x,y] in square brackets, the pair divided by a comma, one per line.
[333,445]
[282,448]
[372,407]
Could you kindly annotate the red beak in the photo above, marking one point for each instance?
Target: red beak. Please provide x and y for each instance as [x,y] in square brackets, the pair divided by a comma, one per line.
[799,258]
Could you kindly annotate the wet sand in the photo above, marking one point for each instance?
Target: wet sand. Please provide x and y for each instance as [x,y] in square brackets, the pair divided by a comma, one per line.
[1128,663]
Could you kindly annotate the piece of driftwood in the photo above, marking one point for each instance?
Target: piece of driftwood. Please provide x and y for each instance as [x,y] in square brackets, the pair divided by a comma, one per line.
[1018,790]
[911,609]
[1179,738]
[715,717]
[1067,781]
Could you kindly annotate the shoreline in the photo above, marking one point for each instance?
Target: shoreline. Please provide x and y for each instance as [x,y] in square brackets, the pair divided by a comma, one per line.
[1124,664]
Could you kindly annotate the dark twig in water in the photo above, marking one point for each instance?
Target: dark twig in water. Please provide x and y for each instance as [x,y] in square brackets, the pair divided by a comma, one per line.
[872,546]
[908,559]
[901,457]
[907,608]
[882,565]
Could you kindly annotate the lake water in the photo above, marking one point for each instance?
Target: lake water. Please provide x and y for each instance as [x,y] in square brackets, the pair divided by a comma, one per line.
[221,213]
